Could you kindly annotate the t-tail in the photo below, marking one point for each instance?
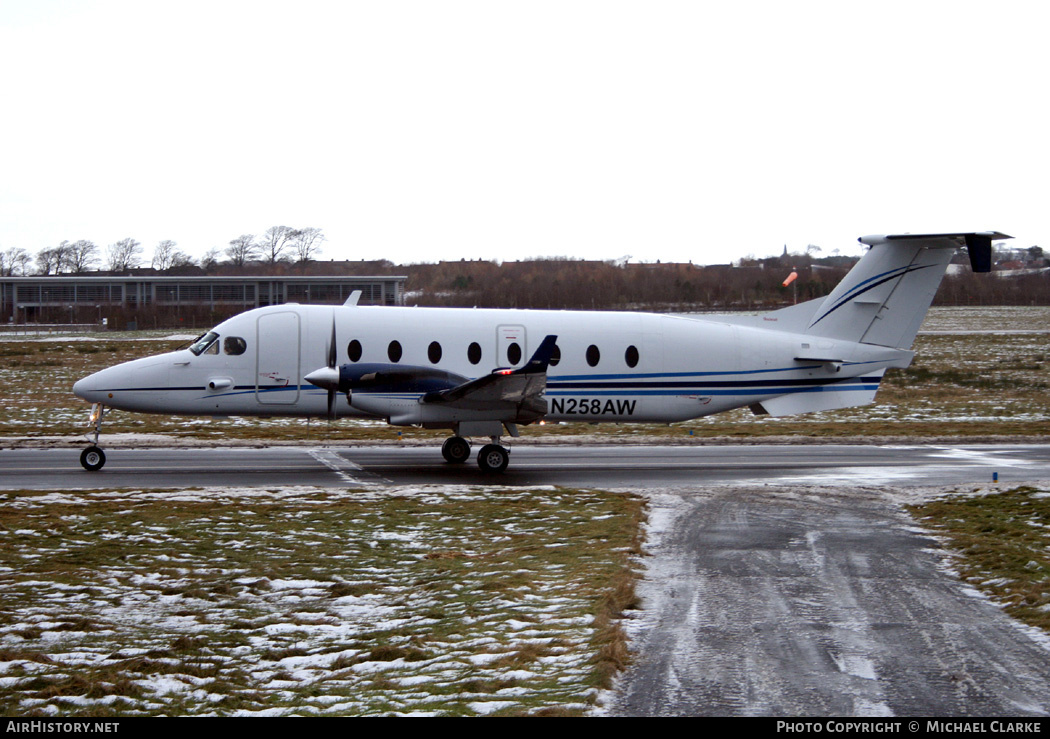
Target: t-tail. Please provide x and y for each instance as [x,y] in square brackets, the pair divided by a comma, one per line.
[884,298]
[869,321]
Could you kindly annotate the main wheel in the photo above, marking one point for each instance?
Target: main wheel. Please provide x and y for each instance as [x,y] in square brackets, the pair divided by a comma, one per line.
[455,450]
[92,458]
[493,458]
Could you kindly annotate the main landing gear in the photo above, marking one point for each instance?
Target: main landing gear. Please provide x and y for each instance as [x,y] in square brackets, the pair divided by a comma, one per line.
[93,458]
[492,457]
[455,450]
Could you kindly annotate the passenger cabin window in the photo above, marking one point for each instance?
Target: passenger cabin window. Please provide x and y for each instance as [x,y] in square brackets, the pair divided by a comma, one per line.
[394,351]
[593,355]
[434,352]
[474,352]
[555,356]
[513,353]
[631,356]
[203,343]
[234,345]
[354,351]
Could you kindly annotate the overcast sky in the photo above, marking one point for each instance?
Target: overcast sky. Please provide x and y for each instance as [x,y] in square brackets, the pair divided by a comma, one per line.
[418,131]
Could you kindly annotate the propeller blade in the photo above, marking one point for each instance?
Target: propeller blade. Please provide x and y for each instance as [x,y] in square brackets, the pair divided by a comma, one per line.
[331,347]
[328,375]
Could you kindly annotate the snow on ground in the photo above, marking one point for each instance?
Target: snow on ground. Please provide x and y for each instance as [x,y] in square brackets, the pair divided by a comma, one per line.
[299,600]
[46,335]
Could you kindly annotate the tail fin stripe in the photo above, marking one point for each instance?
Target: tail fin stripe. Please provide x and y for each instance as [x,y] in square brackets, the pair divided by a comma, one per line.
[860,291]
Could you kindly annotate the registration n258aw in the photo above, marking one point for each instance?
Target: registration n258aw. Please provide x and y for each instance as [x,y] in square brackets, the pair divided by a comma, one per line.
[591,407]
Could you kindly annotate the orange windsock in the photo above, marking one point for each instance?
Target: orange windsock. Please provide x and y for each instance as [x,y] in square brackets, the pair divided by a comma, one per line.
[791,278]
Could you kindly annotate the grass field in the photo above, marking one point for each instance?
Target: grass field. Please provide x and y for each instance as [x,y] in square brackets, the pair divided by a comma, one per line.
[447,601]
[1000,544]
[961,383]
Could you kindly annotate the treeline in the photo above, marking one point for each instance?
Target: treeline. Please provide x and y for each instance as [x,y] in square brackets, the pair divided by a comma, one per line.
[966,288]
[279,245]
[750,285]
[554,283]
[574,284]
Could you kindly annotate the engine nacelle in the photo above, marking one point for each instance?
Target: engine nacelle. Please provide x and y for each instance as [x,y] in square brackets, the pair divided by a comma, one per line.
[413,412]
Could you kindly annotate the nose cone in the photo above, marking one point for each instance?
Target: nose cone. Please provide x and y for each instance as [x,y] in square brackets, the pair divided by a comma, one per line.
[90,388]
[325,377]
[139,385]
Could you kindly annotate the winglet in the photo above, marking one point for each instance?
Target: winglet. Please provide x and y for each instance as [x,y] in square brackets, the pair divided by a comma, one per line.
[541,358]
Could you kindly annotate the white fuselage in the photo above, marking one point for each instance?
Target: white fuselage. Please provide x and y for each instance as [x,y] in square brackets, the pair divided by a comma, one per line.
[619,367]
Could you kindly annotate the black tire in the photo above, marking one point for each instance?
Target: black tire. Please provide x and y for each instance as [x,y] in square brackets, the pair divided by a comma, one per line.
[455,450]
[92,459]
[493,458]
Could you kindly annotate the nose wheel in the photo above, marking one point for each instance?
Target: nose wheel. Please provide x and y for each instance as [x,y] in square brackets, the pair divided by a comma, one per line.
[93,458]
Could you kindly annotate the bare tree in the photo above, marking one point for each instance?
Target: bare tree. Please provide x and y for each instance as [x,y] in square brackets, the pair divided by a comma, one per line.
[242,250]
[62,254]
[182,259]
[124,255]
[210,259]
[50,261]
[307,244]
[15,262]
[164,255]
[274,242]
[80,256]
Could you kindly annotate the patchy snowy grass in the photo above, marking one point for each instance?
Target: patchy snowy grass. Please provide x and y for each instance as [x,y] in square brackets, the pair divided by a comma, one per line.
[438,600]
[1000,544]
[988,318]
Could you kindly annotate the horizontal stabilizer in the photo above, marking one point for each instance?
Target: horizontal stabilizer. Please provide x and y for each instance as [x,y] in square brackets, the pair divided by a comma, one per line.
[978,244]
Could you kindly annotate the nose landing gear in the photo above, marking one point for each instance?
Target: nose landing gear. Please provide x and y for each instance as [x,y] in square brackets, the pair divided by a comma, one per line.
[93,458]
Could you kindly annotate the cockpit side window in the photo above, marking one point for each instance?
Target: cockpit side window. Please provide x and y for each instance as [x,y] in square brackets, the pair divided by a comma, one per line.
[204,343]
[234,345]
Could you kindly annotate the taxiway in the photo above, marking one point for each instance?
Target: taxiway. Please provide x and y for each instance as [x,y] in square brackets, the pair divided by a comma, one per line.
[617,466]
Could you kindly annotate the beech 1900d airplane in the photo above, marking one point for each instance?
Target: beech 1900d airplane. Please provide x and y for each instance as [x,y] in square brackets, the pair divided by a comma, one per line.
[482,373]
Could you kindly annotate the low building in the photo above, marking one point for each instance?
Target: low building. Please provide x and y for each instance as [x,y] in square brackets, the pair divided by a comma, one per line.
[144,301]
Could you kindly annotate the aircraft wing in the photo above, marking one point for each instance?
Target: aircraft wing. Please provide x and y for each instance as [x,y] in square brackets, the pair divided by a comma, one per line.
[521,386]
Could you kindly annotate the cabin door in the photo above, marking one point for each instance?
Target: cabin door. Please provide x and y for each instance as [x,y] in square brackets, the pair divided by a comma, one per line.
[277,359]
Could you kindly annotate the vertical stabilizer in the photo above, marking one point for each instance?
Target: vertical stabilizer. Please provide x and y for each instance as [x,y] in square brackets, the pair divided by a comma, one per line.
[884,298]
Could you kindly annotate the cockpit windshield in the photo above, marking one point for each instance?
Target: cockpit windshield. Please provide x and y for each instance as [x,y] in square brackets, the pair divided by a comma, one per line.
[202,344]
